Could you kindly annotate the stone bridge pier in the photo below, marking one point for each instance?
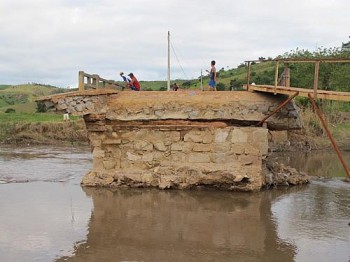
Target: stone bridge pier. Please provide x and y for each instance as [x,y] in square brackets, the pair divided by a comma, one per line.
[180,140]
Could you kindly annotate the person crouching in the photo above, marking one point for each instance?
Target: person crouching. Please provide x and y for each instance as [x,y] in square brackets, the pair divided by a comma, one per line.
[134,83]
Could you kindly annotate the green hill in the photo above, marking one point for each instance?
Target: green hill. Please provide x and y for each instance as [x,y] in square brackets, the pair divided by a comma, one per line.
[332,76]
[21,97]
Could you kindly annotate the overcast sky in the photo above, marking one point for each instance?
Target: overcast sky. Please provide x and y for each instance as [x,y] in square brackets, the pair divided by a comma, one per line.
[49,41]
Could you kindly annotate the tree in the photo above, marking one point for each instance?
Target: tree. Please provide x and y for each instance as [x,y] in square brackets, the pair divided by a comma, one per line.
[346,46]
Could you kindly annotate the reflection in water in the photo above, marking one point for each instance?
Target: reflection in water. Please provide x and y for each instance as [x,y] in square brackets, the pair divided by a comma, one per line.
[315,163]
[41,221]
[317,221]
[152,225]
[54,164]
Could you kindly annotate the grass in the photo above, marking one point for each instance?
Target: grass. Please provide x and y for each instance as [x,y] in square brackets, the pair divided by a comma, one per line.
[341,130]
[35,90]
[34,117]
[21,97]
[25,108]
[337,122]
[41,128]
[4,87]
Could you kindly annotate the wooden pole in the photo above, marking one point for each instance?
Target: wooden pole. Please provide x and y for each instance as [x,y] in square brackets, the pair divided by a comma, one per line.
[81,81]
[248,76]
[276,77]
[336,148]
[95,81]
[317,67]
[286,75]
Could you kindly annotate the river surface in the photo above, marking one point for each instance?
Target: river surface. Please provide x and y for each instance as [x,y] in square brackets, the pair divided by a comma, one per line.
[47,216]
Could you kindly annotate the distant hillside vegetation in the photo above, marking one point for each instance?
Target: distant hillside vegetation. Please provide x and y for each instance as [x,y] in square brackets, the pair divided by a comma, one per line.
[332,76]
[20,98]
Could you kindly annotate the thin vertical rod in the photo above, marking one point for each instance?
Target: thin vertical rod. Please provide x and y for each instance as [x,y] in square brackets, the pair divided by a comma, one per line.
[336,148]
[168,84]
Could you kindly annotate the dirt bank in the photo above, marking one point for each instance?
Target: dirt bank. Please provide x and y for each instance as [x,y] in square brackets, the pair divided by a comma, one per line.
[304,141]
[48,133]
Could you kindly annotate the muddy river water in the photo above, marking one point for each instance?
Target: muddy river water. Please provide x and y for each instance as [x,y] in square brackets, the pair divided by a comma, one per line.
[47,216]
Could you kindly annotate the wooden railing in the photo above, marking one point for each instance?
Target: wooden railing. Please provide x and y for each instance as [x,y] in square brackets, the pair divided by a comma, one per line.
[286,74]
[95,81]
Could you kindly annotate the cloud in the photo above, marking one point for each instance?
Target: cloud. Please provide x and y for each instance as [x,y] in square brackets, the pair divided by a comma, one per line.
[50,41]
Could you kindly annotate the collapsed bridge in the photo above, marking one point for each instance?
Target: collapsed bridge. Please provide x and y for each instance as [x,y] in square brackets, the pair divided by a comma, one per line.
[177,139]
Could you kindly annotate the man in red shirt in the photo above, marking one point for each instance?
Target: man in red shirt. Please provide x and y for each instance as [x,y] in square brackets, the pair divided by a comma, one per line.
[134,84]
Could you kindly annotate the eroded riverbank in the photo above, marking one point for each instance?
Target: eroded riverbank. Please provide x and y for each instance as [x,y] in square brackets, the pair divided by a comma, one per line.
[44,133]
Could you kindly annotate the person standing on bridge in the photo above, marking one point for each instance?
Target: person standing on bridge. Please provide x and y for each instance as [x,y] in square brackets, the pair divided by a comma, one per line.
[134,84]
[212,76]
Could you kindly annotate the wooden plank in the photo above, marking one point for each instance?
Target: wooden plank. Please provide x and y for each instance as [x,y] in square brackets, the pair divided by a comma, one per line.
[321,94]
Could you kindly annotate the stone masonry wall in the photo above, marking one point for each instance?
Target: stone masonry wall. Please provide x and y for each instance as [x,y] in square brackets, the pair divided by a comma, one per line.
[245,107]
[178,139]
[228,158]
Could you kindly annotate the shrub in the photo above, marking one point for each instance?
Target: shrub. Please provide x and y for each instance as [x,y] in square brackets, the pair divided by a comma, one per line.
[10,110]
[40,107]
[187,84]
[220,87]
[236,84]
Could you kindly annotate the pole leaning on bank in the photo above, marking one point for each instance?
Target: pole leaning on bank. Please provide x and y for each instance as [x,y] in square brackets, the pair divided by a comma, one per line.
[335,146]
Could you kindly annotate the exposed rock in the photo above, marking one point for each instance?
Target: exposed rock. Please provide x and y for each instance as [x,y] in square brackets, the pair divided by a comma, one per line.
[277,174]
